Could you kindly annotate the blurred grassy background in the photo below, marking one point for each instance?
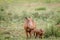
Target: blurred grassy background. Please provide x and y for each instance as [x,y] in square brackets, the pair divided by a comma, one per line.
[46,14]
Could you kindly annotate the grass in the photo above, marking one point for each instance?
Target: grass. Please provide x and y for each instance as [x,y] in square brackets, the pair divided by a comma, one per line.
[42,8]
[29,1]
[12,15]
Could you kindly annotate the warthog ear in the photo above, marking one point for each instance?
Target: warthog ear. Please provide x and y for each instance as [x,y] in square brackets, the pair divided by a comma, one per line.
[26,18]
[29,16]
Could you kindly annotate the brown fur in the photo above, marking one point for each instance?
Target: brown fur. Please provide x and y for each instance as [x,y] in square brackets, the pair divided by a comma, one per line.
[29,25]
[38,33]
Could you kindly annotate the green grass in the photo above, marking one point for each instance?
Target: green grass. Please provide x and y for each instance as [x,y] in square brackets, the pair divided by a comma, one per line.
[29,1]
[42,8]
[46,16]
